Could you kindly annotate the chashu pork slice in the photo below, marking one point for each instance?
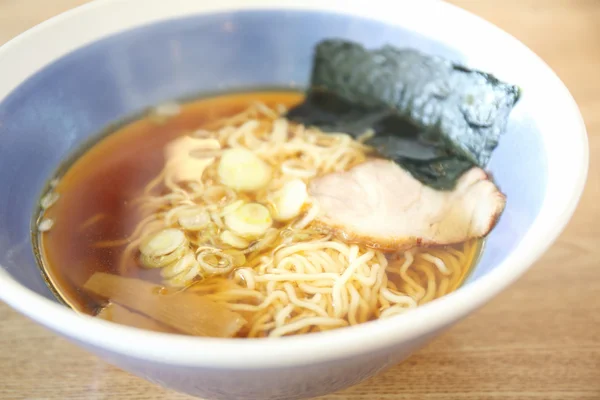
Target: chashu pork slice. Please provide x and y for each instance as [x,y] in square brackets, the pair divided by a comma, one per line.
[382,205]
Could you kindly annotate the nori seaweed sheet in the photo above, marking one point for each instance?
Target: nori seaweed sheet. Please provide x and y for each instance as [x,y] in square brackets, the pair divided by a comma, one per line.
[433,117]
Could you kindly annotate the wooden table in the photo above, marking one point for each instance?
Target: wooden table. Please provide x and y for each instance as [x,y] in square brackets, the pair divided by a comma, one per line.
[538,340]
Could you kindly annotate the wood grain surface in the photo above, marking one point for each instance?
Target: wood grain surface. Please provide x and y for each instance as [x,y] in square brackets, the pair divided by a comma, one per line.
[538,340]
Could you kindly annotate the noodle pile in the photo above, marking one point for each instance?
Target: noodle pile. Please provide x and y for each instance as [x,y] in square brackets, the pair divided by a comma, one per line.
[294,279]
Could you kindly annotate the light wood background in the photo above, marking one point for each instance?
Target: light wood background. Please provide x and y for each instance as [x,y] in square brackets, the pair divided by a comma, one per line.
[538,340]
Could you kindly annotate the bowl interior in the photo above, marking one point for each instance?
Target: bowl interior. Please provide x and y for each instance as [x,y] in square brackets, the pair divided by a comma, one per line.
[54,111]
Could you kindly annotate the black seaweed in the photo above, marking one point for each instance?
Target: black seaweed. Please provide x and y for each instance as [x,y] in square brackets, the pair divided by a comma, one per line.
[433,117]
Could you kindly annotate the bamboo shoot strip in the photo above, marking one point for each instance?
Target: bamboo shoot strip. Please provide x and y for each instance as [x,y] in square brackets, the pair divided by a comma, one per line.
[114,312]
[186,312]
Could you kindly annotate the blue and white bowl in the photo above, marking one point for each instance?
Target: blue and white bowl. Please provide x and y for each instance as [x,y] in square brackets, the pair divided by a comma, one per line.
[71,76]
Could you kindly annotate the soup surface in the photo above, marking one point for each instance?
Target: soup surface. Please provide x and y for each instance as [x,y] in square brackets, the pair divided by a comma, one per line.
[161,200]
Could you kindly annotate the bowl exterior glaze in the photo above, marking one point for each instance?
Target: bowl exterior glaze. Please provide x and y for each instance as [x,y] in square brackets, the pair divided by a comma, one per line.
[295,382]
[66,80]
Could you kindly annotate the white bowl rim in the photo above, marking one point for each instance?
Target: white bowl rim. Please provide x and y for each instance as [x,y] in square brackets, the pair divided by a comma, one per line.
[93,21]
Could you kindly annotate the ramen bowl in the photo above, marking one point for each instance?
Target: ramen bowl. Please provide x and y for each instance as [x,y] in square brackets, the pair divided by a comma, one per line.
[68,78]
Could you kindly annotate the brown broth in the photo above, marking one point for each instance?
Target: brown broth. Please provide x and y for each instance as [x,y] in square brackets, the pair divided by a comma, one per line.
[96,204]
[98,187]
